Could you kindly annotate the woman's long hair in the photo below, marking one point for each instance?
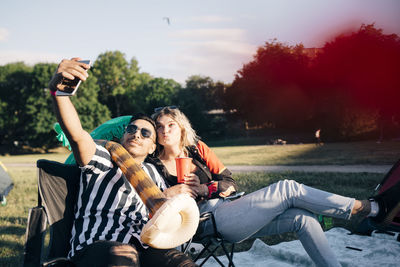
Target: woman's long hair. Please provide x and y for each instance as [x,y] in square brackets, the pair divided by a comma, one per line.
[188,134]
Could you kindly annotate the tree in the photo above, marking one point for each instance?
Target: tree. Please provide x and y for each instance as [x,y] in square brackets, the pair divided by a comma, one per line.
[27,111]
[206,92]
[38,117]
[116,78]
[157,92]
[271,88]
[353,78]
[201,95]
[15,84]
[362,69]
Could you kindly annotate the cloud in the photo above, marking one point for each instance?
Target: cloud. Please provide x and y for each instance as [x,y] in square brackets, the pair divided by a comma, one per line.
[29,57]
[204,34]
[198,20]
[210,19]
[218,53]
[219,60]
[3,34]
[219,47]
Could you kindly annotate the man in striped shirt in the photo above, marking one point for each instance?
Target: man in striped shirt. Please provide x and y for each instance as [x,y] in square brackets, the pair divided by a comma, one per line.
[109,214]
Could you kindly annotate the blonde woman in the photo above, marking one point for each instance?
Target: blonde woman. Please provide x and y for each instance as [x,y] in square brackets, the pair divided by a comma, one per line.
[285,206]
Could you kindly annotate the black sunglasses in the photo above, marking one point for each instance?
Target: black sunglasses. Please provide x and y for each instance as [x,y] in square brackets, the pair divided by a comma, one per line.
[132,129]
[161,108]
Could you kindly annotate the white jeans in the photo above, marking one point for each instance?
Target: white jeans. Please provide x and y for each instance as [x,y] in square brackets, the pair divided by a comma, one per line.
[285,206]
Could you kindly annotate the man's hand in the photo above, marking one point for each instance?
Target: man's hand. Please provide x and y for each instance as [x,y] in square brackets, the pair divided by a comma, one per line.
[68,69]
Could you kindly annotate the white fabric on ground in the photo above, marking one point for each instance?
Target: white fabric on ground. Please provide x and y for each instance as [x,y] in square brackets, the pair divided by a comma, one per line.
[377,250]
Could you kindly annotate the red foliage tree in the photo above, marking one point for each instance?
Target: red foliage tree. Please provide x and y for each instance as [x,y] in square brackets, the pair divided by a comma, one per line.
[363,70]
[354,77]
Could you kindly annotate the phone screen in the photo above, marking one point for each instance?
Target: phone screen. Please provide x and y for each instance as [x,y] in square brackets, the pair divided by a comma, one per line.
[71,85]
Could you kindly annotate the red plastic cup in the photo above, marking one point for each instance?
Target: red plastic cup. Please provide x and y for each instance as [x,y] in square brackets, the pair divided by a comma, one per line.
[182,168]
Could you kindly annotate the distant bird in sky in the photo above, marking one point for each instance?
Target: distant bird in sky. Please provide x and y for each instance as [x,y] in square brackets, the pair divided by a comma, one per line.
[167,20]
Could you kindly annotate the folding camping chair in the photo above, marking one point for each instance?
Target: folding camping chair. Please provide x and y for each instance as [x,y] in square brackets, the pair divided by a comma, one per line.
[58,186]
[367,226]
[211,243]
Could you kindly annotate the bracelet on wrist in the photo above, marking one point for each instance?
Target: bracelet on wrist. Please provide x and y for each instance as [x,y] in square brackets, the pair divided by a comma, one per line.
[212,187]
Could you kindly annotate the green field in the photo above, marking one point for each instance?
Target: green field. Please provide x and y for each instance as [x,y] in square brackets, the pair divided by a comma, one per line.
[32,158]
[301,154]
[24,194]
[310,154]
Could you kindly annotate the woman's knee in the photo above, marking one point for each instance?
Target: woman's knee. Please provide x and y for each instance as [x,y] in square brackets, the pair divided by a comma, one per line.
[284,184]
[285,188]
[290,183]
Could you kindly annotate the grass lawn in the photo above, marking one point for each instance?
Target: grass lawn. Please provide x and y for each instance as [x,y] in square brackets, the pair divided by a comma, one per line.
[301,154]
[13,216]
[310,154]
[24,196]
[32,158]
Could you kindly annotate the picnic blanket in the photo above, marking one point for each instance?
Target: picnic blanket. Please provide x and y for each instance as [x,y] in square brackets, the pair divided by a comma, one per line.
[376,250]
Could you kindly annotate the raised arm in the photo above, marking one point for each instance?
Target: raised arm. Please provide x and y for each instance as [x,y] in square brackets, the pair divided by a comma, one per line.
[82,144]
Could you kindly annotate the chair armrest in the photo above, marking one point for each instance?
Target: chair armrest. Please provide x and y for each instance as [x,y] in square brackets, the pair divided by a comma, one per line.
[61,261]
[205,216]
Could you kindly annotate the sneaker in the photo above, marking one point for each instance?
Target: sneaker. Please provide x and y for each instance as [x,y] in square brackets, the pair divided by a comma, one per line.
[389,205]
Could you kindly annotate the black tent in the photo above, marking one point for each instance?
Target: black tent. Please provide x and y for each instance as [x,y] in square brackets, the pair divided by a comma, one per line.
[6,184]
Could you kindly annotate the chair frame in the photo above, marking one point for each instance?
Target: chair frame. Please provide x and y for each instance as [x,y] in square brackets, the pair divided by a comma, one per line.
[367,225]
[212,242]
[60,175]
[57,203]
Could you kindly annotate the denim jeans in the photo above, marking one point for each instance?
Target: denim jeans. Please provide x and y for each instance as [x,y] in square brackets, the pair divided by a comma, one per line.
[285,206]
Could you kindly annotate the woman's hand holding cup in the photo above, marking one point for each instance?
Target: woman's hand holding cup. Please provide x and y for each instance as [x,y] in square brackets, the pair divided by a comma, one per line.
[193,181]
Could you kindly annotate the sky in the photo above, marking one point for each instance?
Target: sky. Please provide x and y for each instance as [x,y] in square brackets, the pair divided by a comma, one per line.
[176,39]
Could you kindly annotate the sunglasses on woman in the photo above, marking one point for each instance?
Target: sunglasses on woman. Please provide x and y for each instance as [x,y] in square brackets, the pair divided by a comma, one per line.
[132,129]
[161,108]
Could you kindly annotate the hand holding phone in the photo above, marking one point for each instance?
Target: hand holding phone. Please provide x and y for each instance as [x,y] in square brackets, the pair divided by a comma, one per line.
[70,86]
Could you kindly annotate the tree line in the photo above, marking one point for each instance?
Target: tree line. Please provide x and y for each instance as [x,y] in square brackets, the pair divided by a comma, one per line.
[350,88]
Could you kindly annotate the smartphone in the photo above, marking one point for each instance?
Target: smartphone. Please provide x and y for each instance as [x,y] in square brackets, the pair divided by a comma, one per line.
[71,86]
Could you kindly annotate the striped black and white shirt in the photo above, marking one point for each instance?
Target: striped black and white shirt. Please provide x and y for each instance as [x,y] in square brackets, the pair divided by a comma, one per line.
[108,207]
